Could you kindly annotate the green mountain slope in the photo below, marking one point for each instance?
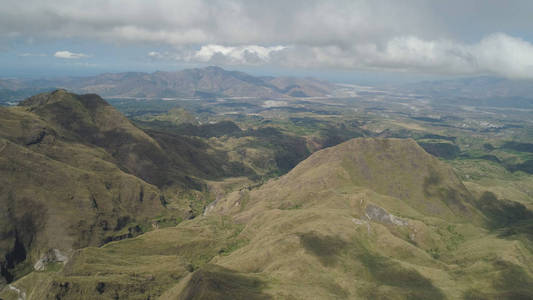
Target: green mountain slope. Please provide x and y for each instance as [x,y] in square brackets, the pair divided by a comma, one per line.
[60,195]
[376,218]
[74,172]
[89,120]
[369,218]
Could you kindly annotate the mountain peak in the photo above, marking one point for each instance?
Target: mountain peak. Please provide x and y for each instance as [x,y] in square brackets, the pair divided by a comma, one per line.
[215,68]
[397,168]
[211,81]
[89,101]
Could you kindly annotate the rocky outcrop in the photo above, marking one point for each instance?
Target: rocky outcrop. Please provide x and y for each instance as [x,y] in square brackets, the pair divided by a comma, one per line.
[378,214]
[51,256]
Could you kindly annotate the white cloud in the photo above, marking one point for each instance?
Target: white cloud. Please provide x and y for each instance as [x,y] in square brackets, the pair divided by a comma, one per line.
[502,54]
[155,54]
[170,55]
[250,55]
[497,54]
[219,54]
[69,55]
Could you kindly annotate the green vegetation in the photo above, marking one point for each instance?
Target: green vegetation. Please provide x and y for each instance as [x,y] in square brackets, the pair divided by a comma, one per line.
[451,238]
[445,150]
[517,146]
[503,213]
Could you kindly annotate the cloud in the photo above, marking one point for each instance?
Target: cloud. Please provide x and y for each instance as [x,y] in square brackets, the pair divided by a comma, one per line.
[495,54]
[223,22]
[69,55]
[155,54]
[170,55]
[411,36]
[219,54]
[502,54]
[26,54]
[245,55]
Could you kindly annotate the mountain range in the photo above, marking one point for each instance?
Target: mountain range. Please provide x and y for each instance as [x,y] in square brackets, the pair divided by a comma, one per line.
[476,91]
[212,82]
[193,83]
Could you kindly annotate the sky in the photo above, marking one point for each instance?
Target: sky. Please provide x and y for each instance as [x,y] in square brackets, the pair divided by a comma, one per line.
[353,40]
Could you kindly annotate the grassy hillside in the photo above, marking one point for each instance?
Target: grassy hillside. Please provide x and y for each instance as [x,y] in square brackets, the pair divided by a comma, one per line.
[89,120]
[74,172]
[393,167]
[352,221]
[59,194]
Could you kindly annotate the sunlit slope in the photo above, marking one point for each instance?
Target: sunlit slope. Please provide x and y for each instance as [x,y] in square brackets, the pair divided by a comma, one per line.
[396,168]
[374,218]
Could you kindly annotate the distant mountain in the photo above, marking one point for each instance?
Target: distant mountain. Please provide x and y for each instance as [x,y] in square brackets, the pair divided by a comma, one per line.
[478,87]
[198,83]
[484,91]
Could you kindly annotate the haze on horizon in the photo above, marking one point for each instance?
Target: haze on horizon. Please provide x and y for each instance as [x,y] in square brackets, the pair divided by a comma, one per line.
[336,40]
